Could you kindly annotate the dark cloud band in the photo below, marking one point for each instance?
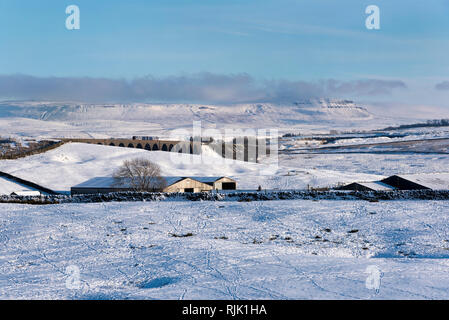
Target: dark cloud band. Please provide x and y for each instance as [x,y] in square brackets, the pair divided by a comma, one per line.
[199,88]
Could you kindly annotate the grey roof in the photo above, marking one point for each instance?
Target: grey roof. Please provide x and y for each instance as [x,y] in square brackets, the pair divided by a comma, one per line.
[108,182]
[435,181]
[206,179]
[99,182]
[171,180]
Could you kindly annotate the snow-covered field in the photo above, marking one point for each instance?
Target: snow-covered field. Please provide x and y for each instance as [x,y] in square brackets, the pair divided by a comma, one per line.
[376,164]
[225,250]
[73,163]
[221,250]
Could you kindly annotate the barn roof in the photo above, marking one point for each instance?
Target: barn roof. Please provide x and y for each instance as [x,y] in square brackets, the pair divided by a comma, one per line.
[372,185]
[435,181]
[99,182]
[207,179]
[24,193]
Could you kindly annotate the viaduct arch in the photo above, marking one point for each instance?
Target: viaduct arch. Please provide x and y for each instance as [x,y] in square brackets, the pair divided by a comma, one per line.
[246,150]
[150,145]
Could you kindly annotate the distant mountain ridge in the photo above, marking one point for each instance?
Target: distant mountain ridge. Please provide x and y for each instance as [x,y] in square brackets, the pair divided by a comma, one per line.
[319,110]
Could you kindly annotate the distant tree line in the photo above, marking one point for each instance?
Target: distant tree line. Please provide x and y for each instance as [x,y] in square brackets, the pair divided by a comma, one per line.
[14,149]
[428,123]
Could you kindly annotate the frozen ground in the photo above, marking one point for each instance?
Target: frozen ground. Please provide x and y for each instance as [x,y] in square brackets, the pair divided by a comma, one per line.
[73,163]
[232,250]
[377,164]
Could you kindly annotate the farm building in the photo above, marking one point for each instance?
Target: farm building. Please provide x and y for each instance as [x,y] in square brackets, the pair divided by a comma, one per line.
[173,184]
[367,186]
[434,181]
[430,181]
[199,184]
[26,193]
[10,185]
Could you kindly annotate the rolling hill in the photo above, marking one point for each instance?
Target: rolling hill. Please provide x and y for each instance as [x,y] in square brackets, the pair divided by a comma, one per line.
[47,119]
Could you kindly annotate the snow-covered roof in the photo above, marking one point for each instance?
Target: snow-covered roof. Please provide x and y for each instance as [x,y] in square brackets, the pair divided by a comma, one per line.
[8,186]
[435,181]
[206,179]
[376,185]
[97,182]
[26,193]
[171,180]
[111,182]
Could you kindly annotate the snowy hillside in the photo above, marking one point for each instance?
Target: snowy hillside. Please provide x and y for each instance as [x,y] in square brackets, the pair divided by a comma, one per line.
[74,163]
[310,110]
[70,120]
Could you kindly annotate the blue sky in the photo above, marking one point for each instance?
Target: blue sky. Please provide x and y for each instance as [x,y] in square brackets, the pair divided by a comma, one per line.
[302,40]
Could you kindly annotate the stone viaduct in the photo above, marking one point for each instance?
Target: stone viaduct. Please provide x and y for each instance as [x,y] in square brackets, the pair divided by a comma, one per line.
[246,150]
[150,145]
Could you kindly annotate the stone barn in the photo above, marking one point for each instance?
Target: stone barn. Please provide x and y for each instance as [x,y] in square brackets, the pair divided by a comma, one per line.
[173,184]
[367,186]
[421,181]
[218,183]
[179,184]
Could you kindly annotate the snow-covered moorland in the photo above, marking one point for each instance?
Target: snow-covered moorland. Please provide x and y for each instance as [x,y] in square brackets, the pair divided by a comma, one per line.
[225,250]
[73,163]
[51,120]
